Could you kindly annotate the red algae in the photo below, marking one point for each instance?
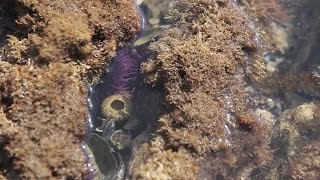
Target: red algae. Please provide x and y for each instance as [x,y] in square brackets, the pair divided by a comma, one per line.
[44,116]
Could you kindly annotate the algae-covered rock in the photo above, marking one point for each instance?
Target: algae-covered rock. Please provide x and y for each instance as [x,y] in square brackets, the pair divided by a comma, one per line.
[201,62]
[299,142]
[87,32]
[49,50]
[303,120]
[44,113]
[168,165]
[204,60]
[305,163]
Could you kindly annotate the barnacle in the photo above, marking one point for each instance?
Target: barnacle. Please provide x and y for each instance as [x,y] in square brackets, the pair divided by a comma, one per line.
[117,107]
[120,139]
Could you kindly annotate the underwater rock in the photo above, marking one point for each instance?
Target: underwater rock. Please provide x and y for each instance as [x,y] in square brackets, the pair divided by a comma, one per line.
[155,12]
[167,165]
[195,118]
[290,38]
[300,124]
[201,62]
[296,144]
[304,37]
[87,32]
[305,163]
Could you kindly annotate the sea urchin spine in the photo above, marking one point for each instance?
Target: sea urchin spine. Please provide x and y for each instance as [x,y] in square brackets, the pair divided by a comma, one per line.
[125,69]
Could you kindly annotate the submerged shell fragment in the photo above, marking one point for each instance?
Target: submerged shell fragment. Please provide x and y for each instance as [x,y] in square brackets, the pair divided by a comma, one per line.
[101,152]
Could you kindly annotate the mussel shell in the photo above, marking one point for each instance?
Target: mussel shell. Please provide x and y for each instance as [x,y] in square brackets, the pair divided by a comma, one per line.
[110,164]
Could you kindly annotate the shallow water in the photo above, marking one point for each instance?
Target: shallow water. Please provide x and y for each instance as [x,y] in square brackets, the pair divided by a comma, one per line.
[300,57]
[111,139]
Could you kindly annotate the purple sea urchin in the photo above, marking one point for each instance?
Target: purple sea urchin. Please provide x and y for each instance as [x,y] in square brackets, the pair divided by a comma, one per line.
[114,122]
[121,78]
[125,70]
[110,105]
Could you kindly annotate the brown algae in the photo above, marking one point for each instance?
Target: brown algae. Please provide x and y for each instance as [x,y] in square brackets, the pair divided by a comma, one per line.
[49,50]
[228,90]
[218,93]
